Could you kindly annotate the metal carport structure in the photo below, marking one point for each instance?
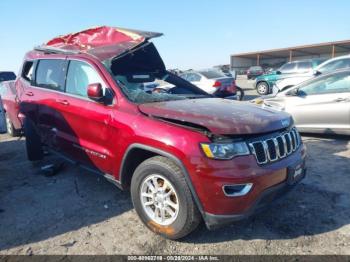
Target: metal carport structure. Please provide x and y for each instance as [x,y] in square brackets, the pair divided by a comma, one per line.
[272,57]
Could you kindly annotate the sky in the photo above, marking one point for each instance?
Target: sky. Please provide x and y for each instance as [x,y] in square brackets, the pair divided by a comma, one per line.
[197,34]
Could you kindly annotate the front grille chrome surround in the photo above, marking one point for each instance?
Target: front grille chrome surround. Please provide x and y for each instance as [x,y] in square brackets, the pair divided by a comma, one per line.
[275,148]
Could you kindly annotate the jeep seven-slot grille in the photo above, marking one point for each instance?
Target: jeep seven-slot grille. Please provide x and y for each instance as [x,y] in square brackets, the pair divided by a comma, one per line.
[275,148]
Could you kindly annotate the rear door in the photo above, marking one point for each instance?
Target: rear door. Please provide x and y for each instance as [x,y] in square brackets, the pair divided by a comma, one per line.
[47,91]
[83,125]
[323,105]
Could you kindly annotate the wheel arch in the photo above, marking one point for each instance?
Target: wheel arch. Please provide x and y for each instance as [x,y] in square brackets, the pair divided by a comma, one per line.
[260,81]
[128,167]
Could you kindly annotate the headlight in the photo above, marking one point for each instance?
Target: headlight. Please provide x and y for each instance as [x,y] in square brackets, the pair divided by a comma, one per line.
[226,150]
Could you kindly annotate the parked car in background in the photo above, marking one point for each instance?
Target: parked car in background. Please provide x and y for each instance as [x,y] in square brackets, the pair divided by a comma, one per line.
[229,73]
[7,75]
[325,67]
[333,64]
[254,71]
[2,118]
[214,82]
[302,68]
[186,156]
[11,106]
[319,105]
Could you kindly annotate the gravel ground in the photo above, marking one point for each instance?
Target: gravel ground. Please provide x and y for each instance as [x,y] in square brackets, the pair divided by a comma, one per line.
[76,212]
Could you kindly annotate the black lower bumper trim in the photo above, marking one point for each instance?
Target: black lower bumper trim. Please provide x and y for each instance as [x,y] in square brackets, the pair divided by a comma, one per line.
[213,221]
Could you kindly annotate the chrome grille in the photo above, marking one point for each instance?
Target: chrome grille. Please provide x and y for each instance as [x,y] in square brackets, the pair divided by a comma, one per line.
[275,148]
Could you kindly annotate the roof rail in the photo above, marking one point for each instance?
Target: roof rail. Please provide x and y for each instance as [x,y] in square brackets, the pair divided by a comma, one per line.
[53,50]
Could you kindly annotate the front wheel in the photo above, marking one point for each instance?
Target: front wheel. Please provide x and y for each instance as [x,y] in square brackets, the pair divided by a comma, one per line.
[262,88]
[162,198]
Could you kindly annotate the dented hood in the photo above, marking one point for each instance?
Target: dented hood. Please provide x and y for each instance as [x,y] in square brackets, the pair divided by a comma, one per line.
[220,116]
[103,42]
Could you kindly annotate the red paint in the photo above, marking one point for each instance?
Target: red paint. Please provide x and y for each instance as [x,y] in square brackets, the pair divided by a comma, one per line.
[10,103]
[100,135]
[220,116]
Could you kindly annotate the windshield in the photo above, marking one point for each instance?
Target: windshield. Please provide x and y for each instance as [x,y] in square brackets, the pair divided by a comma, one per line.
[211,74]
[147,88]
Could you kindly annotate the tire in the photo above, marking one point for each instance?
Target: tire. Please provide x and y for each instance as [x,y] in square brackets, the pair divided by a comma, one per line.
[239,94]
[11,130]
[262,88]
[167,174]
[33,142]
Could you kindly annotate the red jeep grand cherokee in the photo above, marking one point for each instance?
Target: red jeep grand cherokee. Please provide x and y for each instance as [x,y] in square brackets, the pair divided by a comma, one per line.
[185,155]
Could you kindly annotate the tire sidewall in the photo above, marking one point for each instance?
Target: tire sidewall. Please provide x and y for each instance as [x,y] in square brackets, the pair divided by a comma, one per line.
[33,141]
[267,88]
[173,230]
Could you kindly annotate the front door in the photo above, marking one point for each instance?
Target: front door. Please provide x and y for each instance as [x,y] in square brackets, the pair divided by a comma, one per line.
[83,127]
[323,104]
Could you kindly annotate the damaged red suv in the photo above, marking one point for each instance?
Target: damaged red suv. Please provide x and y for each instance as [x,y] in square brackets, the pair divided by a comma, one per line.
[184,155]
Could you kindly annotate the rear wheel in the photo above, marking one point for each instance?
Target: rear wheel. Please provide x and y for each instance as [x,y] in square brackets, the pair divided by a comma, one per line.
[33,141]
[11,130]
[162,198]
[262,88]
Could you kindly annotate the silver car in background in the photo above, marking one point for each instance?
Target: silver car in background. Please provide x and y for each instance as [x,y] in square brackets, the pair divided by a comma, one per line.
[319,105]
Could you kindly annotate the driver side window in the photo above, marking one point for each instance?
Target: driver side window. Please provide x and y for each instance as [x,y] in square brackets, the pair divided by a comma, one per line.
[337,83]
[338,64]
[79,76]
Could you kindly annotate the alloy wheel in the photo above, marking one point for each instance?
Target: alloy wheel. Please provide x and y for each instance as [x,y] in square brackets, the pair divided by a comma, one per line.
[159,199]
[262,88]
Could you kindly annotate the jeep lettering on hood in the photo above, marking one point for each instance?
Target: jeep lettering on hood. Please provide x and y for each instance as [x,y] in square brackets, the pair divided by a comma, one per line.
[220,116]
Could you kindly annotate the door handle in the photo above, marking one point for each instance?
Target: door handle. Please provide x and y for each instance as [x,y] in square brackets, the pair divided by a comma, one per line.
[29,93]
[340,99]
[62,101]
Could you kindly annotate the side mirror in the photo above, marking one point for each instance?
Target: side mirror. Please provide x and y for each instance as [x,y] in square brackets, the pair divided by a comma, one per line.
[278,72]
[317,73]
[293,92]
[95,92]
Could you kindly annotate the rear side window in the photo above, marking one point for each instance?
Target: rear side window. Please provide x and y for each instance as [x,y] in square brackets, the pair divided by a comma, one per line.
[80,75]
[50,74]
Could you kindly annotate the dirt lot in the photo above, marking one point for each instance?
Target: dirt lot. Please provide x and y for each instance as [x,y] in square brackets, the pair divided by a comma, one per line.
[76,212]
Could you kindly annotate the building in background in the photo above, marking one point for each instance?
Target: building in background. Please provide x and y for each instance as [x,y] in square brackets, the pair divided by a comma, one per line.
[276,57]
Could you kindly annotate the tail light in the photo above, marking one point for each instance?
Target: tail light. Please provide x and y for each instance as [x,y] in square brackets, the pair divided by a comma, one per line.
[217,84]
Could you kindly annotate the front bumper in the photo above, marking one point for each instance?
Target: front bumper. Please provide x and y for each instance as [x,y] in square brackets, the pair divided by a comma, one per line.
[263,201]
[268,182]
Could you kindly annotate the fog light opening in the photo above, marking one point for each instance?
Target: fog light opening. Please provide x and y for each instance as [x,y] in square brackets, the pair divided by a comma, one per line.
[237,190]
